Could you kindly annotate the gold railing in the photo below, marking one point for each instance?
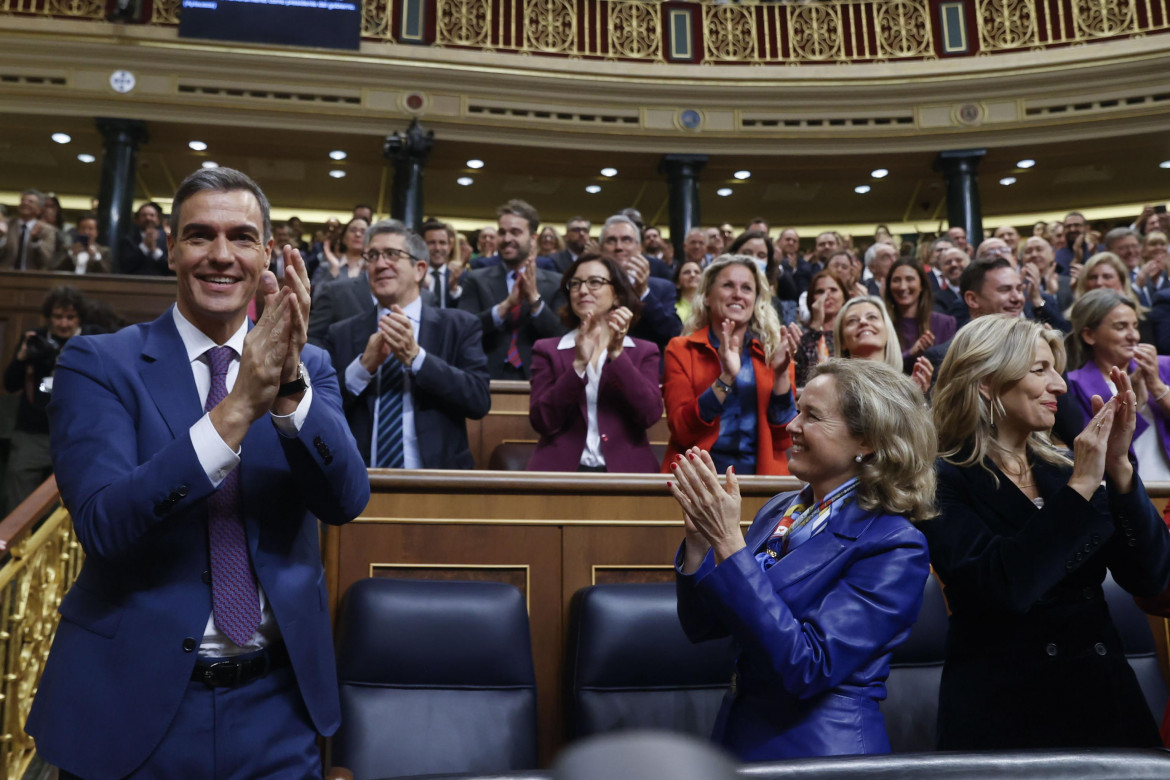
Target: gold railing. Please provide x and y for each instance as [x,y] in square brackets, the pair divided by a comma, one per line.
[745,33]
[44,559]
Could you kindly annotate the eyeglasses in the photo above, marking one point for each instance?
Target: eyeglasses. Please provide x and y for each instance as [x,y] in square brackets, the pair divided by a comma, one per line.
[593,283]
[393,255]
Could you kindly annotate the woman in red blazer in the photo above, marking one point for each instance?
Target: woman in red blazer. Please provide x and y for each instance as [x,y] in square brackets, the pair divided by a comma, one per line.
[728,381]
[595,389]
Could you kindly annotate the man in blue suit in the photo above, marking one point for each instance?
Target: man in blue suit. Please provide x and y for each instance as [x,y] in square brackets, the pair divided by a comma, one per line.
[429,360]
[622,242]
[194,453]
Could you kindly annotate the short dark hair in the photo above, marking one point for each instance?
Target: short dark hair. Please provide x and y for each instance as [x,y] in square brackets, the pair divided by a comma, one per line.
[623,291]
[435,224]
[365,206]
[157,207]
[85,216]
[413,242]
[63,297]
[216,180]
[522,209]
[977,270]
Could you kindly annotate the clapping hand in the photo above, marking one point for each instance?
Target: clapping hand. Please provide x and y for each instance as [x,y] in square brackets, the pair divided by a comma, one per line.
[923,371]
[1117,464]
[729,350]
[711,511]
[617,323]
[925,342]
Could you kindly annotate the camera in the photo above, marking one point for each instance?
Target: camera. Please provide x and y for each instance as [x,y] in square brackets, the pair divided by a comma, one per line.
[41,349]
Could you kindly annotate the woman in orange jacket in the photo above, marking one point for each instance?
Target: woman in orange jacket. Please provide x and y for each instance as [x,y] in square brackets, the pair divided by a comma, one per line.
[729,378]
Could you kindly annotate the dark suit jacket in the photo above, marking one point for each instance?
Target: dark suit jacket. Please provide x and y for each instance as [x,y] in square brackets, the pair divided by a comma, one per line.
[628,403]
[451,387]
[561,261]
[336,301]
[122,658]
[949,302]
[40,251]
[486,288]
[659,322]
[132,260]
[1028,614]
[815,631]
[542,261]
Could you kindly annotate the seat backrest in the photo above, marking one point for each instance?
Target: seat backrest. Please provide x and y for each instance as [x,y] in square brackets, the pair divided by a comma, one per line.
[511,456]
[628,664]
[435,677]
[1140,650]
[911,705]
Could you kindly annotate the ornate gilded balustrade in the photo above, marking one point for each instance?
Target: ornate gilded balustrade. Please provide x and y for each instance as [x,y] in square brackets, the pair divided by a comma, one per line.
[43,559]
[792,33]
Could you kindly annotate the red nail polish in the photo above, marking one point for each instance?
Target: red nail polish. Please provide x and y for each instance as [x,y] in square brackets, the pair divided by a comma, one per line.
[733,469]
[691,456]
[669,485]
[673,466]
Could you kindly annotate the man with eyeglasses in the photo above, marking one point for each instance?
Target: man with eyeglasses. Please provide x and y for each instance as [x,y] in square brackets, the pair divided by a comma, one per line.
[411,374]
[621,242]
[516,301]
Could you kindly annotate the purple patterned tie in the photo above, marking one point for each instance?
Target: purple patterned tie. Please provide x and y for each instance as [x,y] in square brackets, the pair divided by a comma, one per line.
[234,599]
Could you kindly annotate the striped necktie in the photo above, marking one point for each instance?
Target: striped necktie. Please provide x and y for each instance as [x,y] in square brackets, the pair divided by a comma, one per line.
[391,381]
[234,598]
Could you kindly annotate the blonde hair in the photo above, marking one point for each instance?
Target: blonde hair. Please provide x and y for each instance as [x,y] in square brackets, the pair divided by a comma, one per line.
[1122,274]
[892,354]
[1089,311]
[884,408]
[764,322]
[985,360]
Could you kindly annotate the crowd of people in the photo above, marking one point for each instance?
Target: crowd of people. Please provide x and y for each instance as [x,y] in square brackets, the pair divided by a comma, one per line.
[914,385]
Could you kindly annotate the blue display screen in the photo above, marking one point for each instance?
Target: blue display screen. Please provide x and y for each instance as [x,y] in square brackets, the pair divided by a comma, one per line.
[330,24]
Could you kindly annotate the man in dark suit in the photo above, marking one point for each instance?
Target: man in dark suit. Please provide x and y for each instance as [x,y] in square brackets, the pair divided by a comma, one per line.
[621,242]
[336,301]
[32,243]
[411,374]
[516,301]
[195,455]
[576,240]
[144,250]
[440,243]
[827,243]
[948,298]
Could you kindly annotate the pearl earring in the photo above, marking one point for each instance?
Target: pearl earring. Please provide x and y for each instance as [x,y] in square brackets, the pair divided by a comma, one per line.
[857,458]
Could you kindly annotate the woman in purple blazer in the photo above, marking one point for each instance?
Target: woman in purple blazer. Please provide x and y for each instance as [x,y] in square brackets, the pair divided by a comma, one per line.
[595,390]
[1104,335]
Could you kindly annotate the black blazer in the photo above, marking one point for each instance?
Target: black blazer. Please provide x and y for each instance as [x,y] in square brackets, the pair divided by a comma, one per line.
[659,321]
[451,387]
[484,289]
[338,300]
[1033,658]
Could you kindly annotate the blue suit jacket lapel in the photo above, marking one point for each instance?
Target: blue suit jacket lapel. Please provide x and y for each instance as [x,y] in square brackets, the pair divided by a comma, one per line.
[166,373]
[848,524]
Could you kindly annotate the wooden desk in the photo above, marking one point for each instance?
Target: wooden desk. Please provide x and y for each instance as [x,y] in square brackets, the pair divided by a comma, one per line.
[549,534]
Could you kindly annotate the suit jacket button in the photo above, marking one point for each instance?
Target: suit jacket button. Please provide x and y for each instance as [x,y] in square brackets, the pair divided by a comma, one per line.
[182,490]
[604,437]
[1088,548]
[189,645]
[1100,649]
[1051,648]
[206,578]
[317,441]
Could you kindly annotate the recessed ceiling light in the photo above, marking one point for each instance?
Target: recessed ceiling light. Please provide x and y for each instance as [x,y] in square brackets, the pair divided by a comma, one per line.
[593,189]
[1164,164]
[475,164]
[465,181]
[198,146]
[1025,163]
[209,164]
[337,173]
[1008,181]
[610,172]
[879,173]
[741,175]
[62,138]
[861,189]
[723,192]
[86,158]
[338,155]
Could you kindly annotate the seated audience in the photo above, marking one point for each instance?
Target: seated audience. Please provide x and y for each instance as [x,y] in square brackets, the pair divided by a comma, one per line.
[1105,269]
[514,300]
[1038,252]
[863,330]
[31,375]
[757,245]
[85,255]
[621,242]
[827,293]
[910,303]
[412,374]
[575,243]
[550,242]
[879,258]
[951,263]
[828,580]
[32,242]
[728,380]
[595,390]
[1022,542]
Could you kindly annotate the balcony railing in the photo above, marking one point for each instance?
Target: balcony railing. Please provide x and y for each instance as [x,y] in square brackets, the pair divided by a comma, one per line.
[800,32]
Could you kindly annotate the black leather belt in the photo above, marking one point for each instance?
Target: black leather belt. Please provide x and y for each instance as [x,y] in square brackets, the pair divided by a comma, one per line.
[239,670]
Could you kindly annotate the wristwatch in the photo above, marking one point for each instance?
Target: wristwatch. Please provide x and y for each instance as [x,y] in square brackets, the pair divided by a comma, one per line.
[298,385]
[723,385]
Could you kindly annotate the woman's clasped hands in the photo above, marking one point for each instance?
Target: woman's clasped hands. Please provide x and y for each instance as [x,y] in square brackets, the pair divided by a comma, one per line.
[711,511]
